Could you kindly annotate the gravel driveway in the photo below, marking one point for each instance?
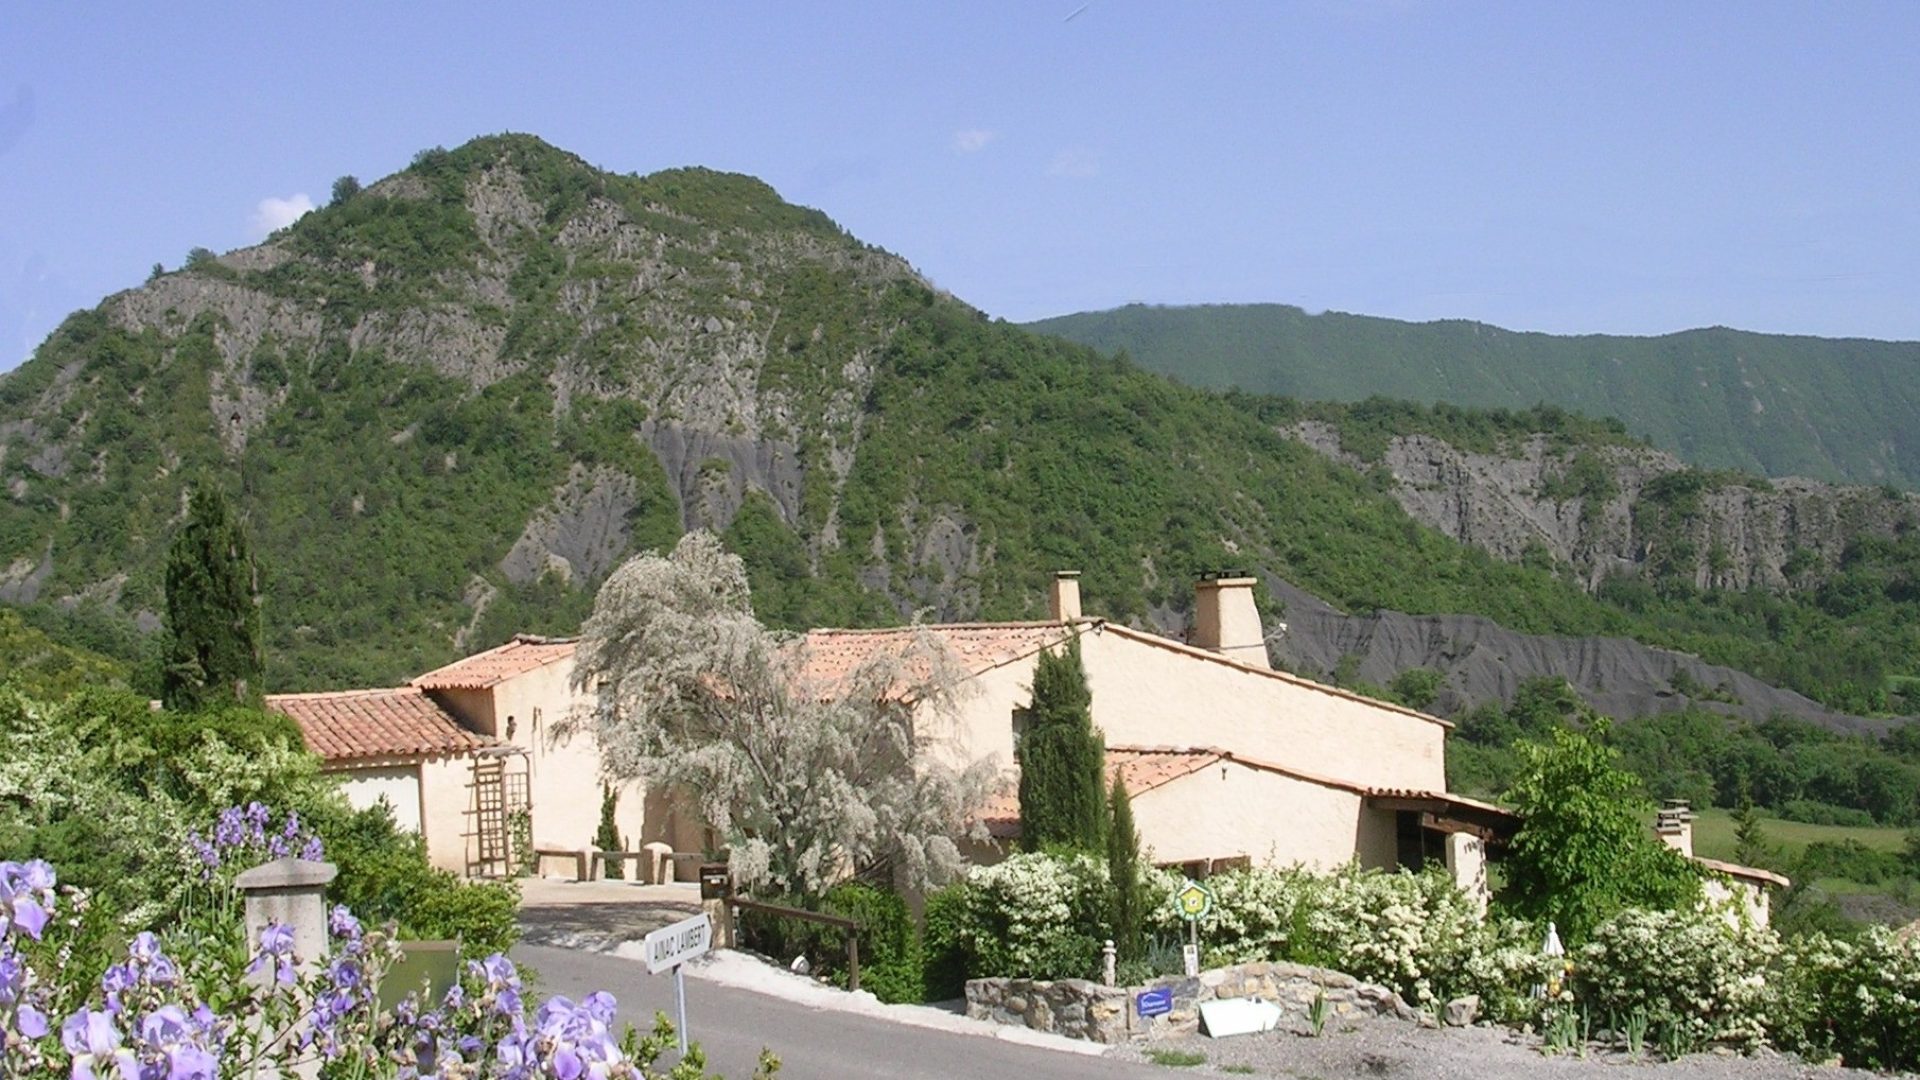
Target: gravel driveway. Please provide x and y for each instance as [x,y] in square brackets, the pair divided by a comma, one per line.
[1368,1049]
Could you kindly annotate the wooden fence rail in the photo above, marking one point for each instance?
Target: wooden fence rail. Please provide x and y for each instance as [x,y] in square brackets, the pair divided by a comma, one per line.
[850,927]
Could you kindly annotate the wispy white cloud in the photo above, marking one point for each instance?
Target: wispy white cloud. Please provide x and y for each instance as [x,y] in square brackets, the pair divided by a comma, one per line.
[274,213]
[970,140]
[1076,161]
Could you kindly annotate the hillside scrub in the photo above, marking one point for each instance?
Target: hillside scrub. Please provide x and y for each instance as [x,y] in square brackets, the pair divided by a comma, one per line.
[1790,768]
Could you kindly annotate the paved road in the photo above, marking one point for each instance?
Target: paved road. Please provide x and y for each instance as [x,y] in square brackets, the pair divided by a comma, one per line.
[813,1044]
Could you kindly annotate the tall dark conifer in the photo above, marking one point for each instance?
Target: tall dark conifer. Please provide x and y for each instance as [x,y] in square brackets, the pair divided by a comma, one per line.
[1123,871]
[213,613]
[1062,759]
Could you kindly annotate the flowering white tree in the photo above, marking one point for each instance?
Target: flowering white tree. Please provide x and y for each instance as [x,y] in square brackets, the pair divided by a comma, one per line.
[811,775]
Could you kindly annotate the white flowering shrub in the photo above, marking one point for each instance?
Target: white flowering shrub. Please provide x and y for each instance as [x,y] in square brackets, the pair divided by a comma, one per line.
[1416,933]
[1859,999]
[1695,976]
[1036,916]
[1254,916]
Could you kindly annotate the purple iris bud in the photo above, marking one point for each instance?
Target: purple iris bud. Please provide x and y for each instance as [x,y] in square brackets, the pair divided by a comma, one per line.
[13,976]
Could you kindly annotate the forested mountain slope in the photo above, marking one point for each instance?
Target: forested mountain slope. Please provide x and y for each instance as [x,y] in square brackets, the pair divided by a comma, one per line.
[450,403]
[1829,409]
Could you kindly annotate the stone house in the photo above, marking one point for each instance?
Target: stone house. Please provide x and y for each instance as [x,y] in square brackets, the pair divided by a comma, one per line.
[1750,888]
[471,752]
[1229,761]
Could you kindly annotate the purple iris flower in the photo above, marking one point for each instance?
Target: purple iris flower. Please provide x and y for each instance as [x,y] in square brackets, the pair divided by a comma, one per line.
[26,893]
[276,948]
[342,924]
[31,1022]
[94,1043]
[168,1035]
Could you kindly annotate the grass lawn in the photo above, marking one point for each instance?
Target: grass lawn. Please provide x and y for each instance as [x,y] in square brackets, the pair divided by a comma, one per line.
[1713,835]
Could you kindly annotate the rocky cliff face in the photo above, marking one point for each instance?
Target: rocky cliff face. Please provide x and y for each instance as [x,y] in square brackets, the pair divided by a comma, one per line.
[1483,661]
[1643,510]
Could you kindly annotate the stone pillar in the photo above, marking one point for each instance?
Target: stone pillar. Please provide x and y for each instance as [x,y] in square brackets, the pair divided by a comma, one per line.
[659,863]
[1467,864]
[292,892]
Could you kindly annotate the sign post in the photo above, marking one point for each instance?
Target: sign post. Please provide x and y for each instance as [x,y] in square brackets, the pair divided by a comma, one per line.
[671,947]
[1193,900]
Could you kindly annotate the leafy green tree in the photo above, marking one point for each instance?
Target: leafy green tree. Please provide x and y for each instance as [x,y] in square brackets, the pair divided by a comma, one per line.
[1585,849]
[1123,872]
[608,837]
[1417,687]
[1062,759]
[343,189]
[213,612]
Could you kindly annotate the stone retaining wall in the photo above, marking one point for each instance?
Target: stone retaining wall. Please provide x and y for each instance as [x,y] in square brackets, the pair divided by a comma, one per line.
[1080,1009]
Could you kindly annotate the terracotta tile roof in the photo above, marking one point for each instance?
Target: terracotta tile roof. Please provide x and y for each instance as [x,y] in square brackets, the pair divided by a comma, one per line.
[1745,873]
[832,655]
[1144,768]
[482,670]
[1141,769]
[353,725]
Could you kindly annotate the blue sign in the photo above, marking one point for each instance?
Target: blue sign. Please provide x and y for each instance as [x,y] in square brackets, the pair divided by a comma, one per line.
[1153,1002]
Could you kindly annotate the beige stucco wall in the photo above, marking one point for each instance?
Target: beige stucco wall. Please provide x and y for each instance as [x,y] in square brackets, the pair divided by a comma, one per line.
[1145,695]
[563,771]
[445,805]
[1229,809]
[1740,900]
[398,784]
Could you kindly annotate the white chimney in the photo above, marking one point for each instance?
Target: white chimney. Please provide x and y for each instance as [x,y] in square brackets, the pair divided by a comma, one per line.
[1063,598]
[1226,621]
[1675,826]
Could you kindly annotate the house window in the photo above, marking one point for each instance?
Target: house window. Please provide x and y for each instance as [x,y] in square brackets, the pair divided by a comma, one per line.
[1021,717]
[1416,846]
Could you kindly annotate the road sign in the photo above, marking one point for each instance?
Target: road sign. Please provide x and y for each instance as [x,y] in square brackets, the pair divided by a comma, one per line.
[1153,1002]
[1194,901]
[671,946]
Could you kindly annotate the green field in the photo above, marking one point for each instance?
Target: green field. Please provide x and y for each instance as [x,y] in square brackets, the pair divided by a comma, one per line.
[1713,835]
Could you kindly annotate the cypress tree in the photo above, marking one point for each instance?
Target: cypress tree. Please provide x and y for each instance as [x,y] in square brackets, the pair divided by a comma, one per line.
[608,838]
[1123,871]
[213,612]
[1750,839]
[1062,759]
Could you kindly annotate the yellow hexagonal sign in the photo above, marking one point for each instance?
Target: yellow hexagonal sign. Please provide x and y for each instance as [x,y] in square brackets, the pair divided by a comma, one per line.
[1194,901]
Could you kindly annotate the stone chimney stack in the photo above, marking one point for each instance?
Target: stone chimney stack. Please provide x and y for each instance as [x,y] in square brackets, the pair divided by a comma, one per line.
[1675,826]
[1063,598]
[1225,619]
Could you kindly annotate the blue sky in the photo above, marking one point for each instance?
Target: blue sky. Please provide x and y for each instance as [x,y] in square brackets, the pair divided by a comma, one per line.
[1597,167]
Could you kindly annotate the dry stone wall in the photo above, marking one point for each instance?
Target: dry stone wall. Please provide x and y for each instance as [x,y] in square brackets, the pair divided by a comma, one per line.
[1080,1009]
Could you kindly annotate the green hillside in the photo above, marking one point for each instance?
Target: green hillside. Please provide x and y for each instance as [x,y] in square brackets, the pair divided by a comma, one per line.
[449,404]
[1842,410]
